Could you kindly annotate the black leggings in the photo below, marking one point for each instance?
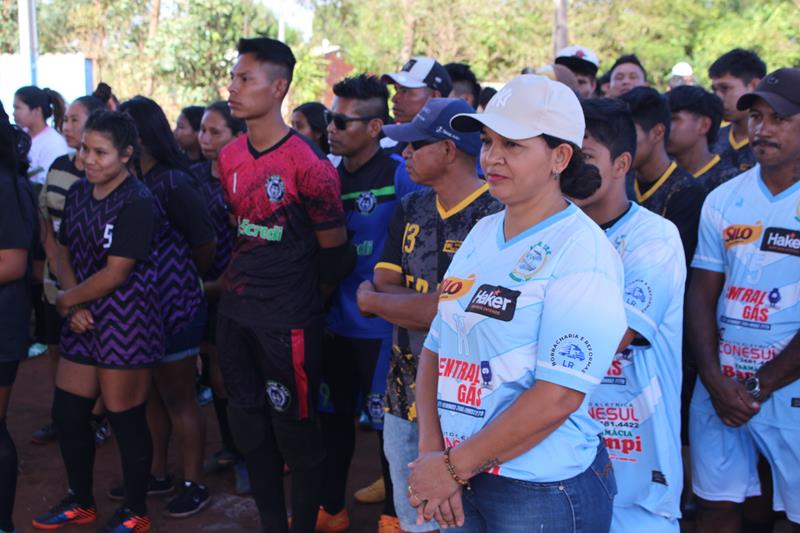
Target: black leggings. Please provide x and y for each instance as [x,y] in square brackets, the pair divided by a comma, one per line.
[8,477]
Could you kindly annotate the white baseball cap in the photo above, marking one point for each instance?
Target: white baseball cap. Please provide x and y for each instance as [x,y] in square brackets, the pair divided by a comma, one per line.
[421,72]
[682,69]
[529,106]
[578,57]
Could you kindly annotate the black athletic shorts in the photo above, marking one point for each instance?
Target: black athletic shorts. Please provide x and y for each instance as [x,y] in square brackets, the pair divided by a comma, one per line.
[210,333]
[8,372]
[275,367]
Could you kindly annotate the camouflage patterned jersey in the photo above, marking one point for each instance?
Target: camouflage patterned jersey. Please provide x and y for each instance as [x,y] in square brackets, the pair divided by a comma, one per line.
[738,154]
[420,244]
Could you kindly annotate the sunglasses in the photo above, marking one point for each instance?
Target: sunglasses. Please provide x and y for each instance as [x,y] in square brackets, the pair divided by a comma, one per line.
[340,120]
[418,145]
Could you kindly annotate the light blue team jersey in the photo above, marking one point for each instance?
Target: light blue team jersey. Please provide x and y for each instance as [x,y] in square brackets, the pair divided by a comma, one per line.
[639,399]
[545,305]
[753,237]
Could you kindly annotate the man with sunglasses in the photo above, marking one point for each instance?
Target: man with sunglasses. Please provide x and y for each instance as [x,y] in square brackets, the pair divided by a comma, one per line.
[424,234]
[356,354]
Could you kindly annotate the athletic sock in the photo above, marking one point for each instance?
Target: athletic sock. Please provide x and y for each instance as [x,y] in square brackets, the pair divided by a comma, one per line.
[72,415]
[339,439]
[8,477]
[221,409]
[136,453]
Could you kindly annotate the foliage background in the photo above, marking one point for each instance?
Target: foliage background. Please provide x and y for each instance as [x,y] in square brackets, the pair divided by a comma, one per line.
[180,51]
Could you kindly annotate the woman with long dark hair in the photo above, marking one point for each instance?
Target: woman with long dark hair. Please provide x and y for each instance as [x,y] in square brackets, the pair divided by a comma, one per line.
[18,235]
[32,107]
[187,127]
[309,119]
[186,245]
[113,335]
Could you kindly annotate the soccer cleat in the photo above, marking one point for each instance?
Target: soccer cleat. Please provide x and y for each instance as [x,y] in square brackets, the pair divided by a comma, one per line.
[126,521]
[67,511]
[45,435]
[155,487]
[332,523]
[192,499]
[372,493]
[389,524]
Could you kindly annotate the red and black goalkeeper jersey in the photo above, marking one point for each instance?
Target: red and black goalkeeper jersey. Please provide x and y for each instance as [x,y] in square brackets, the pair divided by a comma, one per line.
[279,197]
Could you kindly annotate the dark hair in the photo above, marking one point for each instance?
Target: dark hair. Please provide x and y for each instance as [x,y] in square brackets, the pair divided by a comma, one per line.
[602,80]
[739,63]
[578,180]
[14,147]
[609,121]
[462,72]
[700,102]
[315,115]
[486,95]
[367,89]
[51,102]
[234,124]
[155,132]
[627,58]
[119,127]
[648,108]
[270,51]
[193,114]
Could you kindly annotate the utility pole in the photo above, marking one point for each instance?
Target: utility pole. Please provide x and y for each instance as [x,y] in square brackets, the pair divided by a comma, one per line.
[28,42]
[560,36]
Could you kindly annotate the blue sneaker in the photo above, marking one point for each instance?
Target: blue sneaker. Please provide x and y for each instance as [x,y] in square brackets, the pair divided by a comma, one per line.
[67,511]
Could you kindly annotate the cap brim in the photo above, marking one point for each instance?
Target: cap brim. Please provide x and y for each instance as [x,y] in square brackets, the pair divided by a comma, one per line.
[403,79]
[777,102]
[405,133]
[576,63]
[508,128]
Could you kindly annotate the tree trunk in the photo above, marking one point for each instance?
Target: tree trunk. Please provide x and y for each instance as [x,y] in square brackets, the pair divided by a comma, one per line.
[409,23]
[560,34]
[155,13]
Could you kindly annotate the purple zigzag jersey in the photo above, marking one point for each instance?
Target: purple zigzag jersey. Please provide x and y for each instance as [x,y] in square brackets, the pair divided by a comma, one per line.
[177,274]
[128,328]
[219,212]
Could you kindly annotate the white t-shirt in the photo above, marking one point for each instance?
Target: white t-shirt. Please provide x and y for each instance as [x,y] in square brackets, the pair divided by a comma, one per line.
[45,148]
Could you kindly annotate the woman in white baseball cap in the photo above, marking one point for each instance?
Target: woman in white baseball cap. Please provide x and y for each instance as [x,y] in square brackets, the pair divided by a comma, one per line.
[530,315]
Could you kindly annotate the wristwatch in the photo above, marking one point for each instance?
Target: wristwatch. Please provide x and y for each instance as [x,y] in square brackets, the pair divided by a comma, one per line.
[753,386]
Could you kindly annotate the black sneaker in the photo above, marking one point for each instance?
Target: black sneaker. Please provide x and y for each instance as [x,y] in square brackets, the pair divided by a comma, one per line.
[192,499]
[45,435]
[126,521]
[155,487]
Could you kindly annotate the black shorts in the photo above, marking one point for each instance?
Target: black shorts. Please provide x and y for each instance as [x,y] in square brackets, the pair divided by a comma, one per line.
[8,372]
[53,323]
[275,367]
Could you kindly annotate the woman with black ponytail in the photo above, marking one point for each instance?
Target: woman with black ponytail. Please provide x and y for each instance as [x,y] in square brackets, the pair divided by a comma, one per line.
[530,316]
[32,107]
[18,235]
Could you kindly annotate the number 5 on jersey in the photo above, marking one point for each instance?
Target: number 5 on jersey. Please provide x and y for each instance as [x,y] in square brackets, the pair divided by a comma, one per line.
[108,235]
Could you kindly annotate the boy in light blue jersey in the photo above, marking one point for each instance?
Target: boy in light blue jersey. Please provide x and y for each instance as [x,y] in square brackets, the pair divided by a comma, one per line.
[638,401]
[744,319]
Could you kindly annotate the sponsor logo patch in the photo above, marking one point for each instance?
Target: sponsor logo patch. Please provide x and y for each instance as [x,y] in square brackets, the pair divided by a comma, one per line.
[782,241]
[638,294]
[741,234]
[795,402]
[494,301]
[572,351]
[451,246]
[454,288]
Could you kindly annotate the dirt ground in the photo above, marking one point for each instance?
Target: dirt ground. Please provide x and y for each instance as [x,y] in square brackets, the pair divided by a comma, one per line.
[42,481]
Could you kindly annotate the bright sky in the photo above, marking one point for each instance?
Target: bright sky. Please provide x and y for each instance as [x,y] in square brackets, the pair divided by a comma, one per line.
[297,16]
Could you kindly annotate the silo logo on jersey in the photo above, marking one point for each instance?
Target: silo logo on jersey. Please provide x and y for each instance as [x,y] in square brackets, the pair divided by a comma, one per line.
[782,241]
[741,234]
[454,288]
[494,301]
[531,262]
[275,188]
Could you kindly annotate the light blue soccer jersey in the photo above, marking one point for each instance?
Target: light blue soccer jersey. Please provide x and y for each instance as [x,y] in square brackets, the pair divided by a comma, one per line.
[753,237]
[639,399]
[545,305]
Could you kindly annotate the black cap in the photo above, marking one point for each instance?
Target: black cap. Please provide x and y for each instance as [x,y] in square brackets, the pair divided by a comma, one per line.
[780,89]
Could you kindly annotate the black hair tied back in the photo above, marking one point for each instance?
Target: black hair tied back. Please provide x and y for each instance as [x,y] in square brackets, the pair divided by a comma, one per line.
[120,128]
[579,180]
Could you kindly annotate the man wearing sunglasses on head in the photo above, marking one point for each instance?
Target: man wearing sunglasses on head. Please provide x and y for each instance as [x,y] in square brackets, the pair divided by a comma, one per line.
[356,353]
[424,234]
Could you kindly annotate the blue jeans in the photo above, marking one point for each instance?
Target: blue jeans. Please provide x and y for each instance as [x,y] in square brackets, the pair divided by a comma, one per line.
[581,504]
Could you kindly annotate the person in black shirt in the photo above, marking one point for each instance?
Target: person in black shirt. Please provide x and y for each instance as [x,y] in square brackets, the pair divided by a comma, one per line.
[187,127]
[658,183]
[18,235]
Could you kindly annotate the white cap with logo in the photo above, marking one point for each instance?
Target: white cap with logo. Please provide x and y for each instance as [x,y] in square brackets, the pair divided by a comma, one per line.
[529,106]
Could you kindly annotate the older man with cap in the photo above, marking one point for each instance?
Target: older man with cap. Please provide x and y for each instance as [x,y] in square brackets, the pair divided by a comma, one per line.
[427,229]
[528,321]
[744,316]
[583,63]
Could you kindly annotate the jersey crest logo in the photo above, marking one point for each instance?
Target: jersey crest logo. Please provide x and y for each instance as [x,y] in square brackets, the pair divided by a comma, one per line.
[278,395]
[737,234]
[275,188]
[531,262]
[454,288]
[366,203]
[375,407]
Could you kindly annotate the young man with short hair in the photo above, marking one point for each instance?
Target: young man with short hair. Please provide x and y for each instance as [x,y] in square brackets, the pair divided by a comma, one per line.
[420,79]
[465,83]
[638,401]
[658,183]
[732,75]
[696,115]
[426,231]
[583,63]
[356,354]
[743,320]
[626,73]
[291,240]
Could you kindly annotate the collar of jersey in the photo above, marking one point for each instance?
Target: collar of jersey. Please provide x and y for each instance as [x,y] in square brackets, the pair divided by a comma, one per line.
[768,194]
[708,166]
[633,207]
[502,243]
[659,182]
[462,204]
[736,145]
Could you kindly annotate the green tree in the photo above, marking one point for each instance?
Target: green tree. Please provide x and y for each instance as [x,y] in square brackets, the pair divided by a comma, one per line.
[9,35]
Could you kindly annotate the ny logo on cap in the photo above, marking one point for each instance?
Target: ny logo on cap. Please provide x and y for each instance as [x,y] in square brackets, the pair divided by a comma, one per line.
[501,98]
